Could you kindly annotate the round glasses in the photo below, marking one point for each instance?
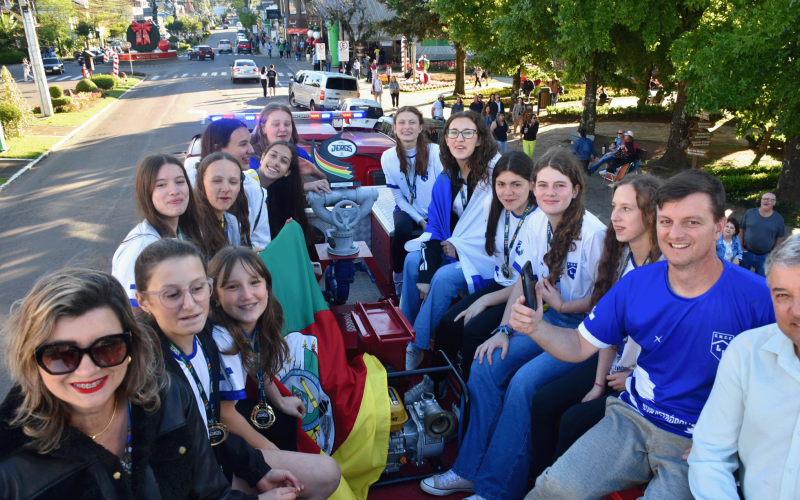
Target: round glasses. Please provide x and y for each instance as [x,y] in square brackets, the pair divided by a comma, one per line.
[61,358]
[466,134]
[173,297]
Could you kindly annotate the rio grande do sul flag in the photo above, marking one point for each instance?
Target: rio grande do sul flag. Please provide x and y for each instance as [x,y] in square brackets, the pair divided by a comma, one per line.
[347,404]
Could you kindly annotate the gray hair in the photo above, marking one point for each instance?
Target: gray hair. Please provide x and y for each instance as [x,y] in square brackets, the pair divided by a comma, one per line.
[787,255]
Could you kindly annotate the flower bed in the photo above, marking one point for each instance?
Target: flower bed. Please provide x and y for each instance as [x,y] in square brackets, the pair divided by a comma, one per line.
[431,85]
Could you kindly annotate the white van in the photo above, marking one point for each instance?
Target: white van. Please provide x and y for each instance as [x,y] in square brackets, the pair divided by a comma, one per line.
[322,90]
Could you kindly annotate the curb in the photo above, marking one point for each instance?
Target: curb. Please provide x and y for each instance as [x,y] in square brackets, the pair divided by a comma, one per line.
[62,141]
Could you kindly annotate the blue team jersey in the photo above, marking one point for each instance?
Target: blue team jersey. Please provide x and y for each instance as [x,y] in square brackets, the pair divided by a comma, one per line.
[682,339]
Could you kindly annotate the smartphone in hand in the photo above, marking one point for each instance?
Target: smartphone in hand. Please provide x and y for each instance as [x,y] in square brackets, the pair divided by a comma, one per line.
[529,285]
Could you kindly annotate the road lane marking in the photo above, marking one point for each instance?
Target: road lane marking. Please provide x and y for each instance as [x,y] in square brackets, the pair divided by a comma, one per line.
[280,74]
[214,74]
[64,78]
[174,77]
[224,73]
[204,74]
[77,78]
[156,77]
[184,75]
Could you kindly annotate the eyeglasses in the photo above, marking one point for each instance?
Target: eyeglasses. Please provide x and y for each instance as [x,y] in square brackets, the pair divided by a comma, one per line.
[173,297]
[620,133]
[466,134]
[61,358]
[768,199]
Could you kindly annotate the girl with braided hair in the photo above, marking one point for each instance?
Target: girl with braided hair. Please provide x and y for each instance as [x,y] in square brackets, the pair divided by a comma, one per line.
[564,244]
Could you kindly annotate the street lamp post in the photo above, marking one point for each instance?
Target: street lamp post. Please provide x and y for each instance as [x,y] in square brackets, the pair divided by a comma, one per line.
[36,58]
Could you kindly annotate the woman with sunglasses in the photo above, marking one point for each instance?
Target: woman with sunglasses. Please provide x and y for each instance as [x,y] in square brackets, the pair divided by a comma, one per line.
[449,257]
[174,291]
[92,413]
[166,204]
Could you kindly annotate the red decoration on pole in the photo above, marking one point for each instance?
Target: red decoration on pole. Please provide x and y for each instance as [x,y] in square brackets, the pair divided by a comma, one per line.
[105,56]
[163,45]
[84,72]
[115,71]
[142,30]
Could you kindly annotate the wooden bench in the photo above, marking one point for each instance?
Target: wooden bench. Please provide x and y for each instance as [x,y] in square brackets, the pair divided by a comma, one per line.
[574,136]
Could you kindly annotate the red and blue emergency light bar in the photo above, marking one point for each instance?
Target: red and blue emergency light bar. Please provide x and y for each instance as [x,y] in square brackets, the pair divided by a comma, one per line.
[297,115]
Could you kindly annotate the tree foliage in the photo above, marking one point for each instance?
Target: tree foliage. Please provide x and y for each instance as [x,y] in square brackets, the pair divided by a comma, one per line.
[356,25]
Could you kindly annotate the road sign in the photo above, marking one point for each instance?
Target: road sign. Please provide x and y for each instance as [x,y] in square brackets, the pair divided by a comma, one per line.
[128,45]
[701,134]
[703,115]
[320,52]
[700,143]
[696,152]
[700,124]
[344,50]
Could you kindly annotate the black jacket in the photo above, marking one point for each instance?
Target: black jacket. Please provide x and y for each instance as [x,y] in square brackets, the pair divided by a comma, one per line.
[168,461]
[235,455]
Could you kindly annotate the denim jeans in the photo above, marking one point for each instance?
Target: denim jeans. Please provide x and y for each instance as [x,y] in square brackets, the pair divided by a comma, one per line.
[328,67]
[425,316]
[608,157]
[501,394]
[503,146]
[749,259]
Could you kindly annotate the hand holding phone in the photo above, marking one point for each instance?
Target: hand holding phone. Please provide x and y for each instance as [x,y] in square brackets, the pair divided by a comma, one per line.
[529,285]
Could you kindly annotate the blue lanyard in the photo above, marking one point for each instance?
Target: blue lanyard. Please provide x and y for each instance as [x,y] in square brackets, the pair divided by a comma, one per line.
[253,346]
[506,245]
[411,182]
[209,405]
[549,235]
[463,192]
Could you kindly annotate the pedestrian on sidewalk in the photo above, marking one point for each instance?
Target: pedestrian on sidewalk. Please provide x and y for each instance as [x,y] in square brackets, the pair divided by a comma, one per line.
[584,149]
[485,77]
[263,78]
[280,50]
[762,229]
[394,92]
[269,49]
[477,77]
[272,79]
[377,89]
[328,61]
[500,130]
[356,68]
[554,88]
[26,69]
[529,132]
[517,114]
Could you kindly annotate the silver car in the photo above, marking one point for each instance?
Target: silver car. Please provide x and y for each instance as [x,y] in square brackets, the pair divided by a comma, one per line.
[244,69]
[322,90]
[53,65]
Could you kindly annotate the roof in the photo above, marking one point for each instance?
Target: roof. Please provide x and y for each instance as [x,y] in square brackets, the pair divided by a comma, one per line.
[363,102]
[436,52]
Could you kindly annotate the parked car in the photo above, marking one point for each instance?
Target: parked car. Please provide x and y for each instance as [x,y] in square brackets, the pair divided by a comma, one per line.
[225,26]
[321,90]
[53,65]
[244,69]
[371,107]
[201,52]
[243,46]
[225,46]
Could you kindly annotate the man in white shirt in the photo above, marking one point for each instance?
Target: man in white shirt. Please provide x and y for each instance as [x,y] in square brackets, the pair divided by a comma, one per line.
[751,421]
[437,111]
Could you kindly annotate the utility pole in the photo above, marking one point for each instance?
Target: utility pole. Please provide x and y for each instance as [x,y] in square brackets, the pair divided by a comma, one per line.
[36,58]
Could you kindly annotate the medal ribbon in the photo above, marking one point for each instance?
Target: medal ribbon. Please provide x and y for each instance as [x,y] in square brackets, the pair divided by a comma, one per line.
[209,407]
[181,235]
[549,235]
[262,396]
[411,182]
[463,191]
[506,245]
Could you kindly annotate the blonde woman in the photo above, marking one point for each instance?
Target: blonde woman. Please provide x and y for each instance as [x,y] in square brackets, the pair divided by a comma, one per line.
[517,114]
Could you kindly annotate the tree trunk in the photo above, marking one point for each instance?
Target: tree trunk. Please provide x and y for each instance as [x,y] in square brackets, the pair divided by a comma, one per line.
[589,117]
[675,155]
[461,56]
[516,85]
[765,140]
[789,181]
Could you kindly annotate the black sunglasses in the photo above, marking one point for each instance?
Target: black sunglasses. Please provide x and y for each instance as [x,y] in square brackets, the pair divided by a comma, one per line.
[61,358]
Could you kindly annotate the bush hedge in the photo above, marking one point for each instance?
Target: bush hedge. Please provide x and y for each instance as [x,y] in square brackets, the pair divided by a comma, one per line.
[60,101]
[86,85]
[56,91]
[12,57]
[9,114]
[747,184]
[105,82]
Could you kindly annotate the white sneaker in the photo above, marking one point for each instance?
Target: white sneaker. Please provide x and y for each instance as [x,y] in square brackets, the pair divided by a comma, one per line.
[445,484]
[603,172]
[414,394]
[413,357]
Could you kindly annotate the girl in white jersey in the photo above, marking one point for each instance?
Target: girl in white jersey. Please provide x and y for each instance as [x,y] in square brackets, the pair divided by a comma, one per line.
[564,243]
[219,195]
[633,244]
[166,204]
[411,169]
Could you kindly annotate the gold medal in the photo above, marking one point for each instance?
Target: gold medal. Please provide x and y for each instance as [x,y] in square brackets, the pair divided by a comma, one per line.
[506,270]
[262,416]
[217,433]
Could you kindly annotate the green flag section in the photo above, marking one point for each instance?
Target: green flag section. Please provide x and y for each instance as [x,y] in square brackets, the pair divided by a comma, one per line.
[347,404]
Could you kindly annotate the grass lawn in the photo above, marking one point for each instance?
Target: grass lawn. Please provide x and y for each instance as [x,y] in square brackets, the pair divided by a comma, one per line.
[28,147]
[79,118]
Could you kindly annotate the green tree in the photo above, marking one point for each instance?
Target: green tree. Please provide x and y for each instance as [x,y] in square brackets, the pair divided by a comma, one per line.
[10,32]
[248,19]
[10,94]
[84,28]
[54,20]
[744,57]
[176,27]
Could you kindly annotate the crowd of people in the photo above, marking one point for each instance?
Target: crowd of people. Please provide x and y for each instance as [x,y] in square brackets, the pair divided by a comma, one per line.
[646,355]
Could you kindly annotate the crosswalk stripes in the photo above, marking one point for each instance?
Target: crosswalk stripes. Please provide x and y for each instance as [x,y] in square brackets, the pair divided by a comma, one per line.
[204,74]
[224,73]
[174,77]
[214,74]
[184,75]
[63,78]
[156,77]
[77,78]
[280,74]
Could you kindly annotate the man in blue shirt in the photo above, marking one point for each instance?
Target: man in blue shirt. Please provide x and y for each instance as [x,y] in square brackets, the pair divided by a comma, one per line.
[683,313]
[584,149]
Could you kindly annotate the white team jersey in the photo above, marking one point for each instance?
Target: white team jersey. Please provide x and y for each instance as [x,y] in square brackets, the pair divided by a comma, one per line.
[234,379]
[517,257]
[422,186]
[127,252]
[198,361]
[580,269]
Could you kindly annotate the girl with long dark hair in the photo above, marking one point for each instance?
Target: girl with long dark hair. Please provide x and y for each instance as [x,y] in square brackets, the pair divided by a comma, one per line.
[174,290]
[578,399]
[449,256]
[564,244]
[411,170]
[232,136]
[166,205]
[472,321]
[219,195]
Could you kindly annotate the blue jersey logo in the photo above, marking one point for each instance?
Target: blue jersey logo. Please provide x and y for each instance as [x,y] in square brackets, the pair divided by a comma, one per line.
[572,268]
[719,342]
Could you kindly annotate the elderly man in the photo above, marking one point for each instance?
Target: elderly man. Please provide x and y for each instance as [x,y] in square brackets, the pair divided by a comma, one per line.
[762,229]
[683,313]
[751,420]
